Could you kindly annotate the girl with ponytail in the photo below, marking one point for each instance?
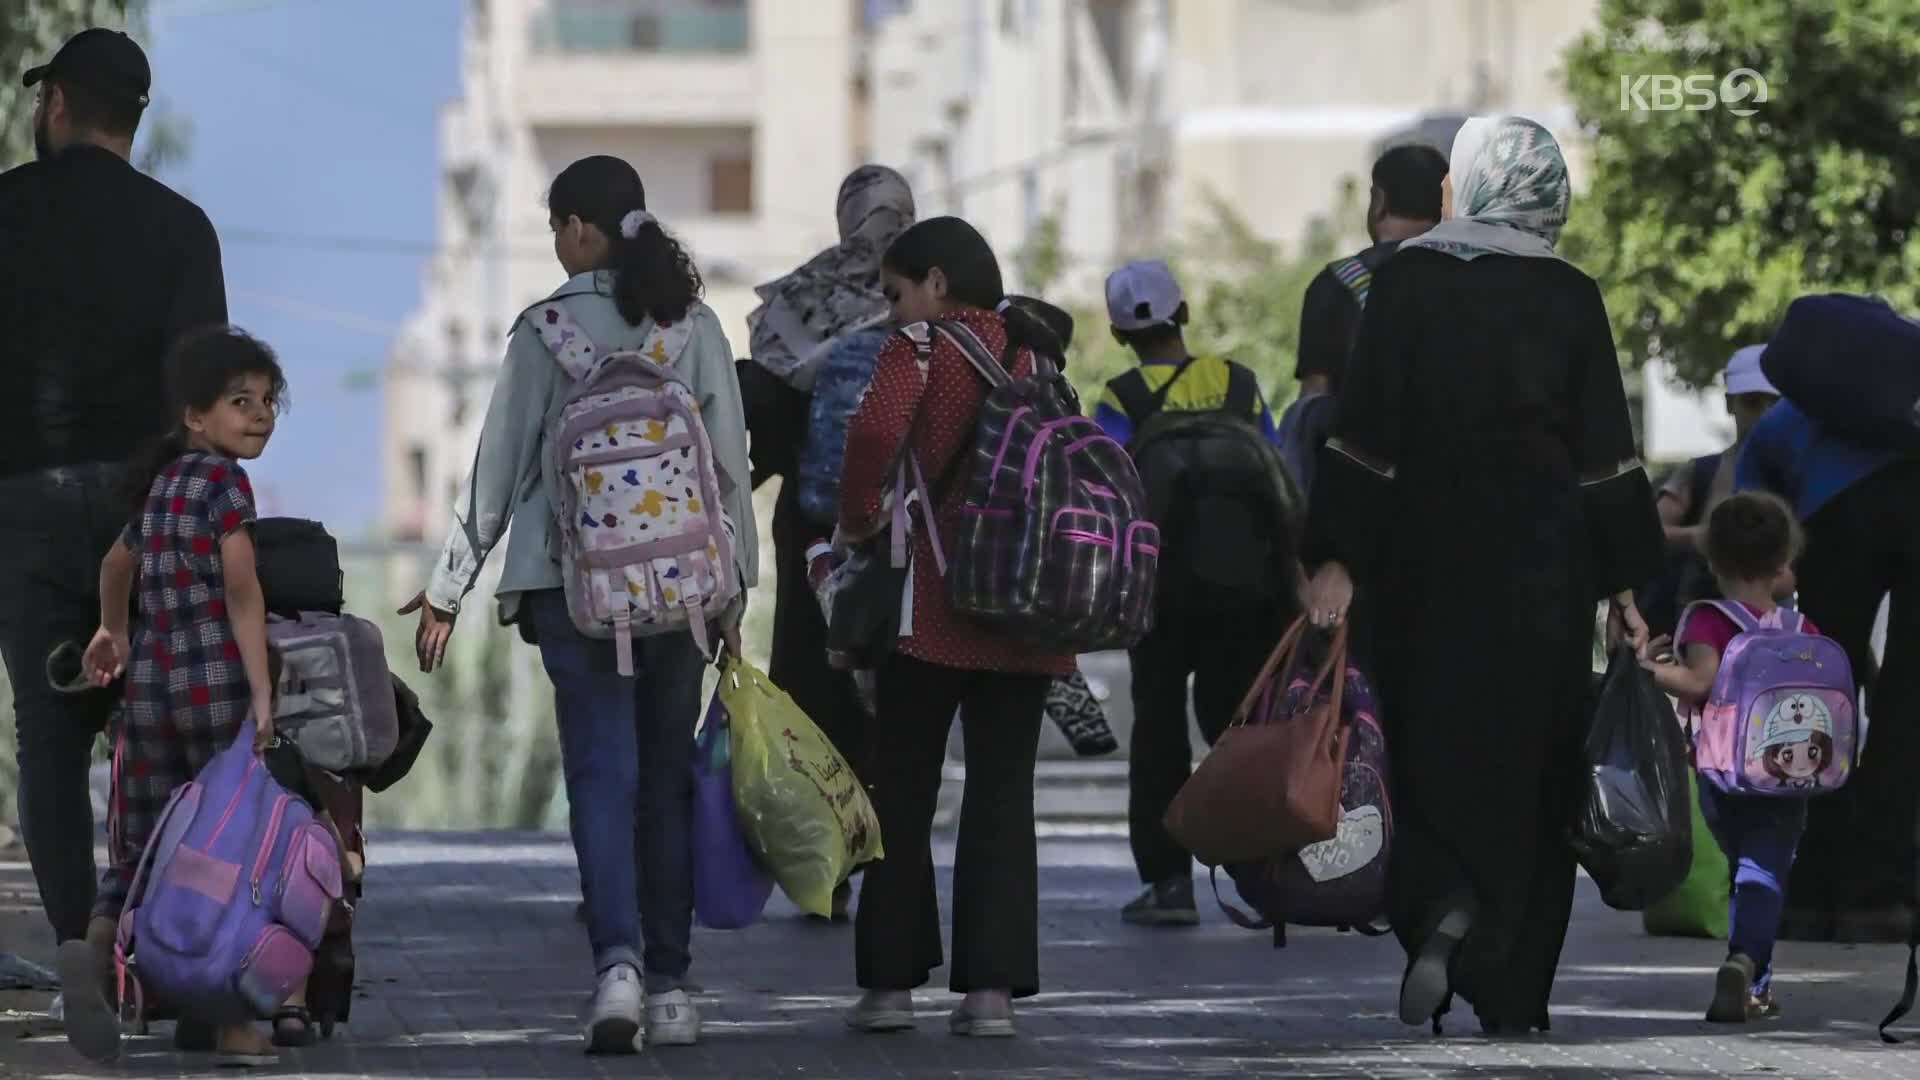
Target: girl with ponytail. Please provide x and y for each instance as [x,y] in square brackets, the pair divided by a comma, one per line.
[625,742]
[943,269]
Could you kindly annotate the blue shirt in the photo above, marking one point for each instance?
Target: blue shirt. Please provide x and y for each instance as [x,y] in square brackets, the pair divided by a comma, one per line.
[1791,455]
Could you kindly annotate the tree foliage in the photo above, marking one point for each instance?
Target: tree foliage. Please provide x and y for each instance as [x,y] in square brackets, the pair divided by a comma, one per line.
[1703,225]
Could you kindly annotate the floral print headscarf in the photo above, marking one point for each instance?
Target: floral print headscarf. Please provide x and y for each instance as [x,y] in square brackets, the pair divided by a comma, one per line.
[1510,192]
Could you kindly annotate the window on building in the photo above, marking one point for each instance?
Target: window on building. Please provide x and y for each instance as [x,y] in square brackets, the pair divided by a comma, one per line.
[730,185]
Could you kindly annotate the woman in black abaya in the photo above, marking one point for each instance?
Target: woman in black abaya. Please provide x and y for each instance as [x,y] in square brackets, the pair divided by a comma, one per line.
[1482,481]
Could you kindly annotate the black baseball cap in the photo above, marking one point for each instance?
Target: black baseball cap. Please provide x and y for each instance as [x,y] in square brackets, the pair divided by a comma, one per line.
[104,60]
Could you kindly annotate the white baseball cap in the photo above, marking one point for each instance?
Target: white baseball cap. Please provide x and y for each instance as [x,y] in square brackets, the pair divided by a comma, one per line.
[1744,375]
[1142,294]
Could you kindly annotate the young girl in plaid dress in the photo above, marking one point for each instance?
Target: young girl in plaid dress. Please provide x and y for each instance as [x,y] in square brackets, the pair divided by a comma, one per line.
[196,662]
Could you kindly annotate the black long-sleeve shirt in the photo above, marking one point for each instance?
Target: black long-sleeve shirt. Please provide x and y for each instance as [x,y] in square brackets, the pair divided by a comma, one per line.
[102,268]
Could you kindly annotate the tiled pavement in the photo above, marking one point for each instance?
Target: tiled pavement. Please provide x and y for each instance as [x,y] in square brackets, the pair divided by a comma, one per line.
[474,967]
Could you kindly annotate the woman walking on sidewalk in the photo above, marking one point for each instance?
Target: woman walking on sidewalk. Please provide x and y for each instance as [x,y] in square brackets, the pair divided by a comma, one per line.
[1484,406]
[943,269]
[626,741]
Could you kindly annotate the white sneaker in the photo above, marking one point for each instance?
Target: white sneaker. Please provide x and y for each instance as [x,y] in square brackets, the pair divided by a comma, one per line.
[613,1024]
[57,1009]
[672,1019]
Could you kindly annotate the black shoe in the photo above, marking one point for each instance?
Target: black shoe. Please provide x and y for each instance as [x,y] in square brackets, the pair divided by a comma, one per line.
[1428,981]
[1732,985]
[1169,903]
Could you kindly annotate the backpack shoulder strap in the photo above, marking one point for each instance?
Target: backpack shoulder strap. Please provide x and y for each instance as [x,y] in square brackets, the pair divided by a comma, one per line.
[572,349]
[1699,486]
[975,351]
[1243,390]
[1353,274]
[1732,609]
[1130,389]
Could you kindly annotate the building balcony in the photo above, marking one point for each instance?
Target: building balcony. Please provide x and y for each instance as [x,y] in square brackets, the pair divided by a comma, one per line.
[639,89]
[653,27]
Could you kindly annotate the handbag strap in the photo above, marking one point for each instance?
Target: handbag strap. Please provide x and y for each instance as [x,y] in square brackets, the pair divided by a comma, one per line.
[1282,654]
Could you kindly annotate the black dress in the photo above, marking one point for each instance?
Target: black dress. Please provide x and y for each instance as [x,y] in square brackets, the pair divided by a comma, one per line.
[777,421]
[1482,484]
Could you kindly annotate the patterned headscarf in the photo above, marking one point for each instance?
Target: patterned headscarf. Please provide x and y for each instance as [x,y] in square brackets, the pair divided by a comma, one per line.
[838,290]
[1510,192]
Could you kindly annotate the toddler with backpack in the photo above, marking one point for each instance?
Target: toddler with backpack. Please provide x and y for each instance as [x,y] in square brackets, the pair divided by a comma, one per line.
[1773,716]
[197,715]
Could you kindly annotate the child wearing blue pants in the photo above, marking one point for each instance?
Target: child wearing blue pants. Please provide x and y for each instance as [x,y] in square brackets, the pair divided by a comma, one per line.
[1751,543]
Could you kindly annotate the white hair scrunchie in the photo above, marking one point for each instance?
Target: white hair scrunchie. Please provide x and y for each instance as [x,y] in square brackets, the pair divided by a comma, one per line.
[631,224]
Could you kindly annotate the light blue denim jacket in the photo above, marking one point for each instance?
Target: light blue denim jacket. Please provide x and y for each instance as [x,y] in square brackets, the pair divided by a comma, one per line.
[512,474]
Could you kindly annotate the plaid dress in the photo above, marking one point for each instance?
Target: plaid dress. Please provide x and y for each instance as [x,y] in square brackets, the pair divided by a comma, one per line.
[187,695]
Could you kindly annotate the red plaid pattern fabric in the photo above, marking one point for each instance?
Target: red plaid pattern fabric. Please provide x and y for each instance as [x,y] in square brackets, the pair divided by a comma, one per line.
[186,694]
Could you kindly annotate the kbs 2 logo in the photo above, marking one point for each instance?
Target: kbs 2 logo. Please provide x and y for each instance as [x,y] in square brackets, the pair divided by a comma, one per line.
[1738,93]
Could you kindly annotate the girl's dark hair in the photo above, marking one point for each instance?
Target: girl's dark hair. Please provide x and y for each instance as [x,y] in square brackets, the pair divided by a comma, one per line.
[653,276]
[1751,536]
[973,276]
[200,368]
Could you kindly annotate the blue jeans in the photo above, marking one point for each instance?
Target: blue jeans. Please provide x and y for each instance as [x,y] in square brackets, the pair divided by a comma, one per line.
[1759,836]
[626,745]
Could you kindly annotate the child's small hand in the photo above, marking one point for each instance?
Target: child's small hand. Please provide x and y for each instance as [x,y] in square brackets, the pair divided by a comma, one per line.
[106,657]
[262,722]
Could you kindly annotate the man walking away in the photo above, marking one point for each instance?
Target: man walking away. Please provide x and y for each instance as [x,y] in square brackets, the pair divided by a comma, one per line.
[101,269]
[1404,204]
[1202,437]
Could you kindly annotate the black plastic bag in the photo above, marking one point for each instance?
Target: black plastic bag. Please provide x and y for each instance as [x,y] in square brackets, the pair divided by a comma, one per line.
[1634,832]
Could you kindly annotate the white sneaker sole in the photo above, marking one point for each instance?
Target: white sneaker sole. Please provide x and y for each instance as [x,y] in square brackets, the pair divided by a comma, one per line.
[881,1021]
[674,1035]
[613,1035]
[981,1027]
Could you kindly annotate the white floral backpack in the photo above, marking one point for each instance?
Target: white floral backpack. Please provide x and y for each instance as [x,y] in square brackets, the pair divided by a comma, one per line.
[645,544]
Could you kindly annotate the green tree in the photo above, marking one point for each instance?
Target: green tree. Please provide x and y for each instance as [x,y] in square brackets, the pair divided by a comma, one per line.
[1703,225]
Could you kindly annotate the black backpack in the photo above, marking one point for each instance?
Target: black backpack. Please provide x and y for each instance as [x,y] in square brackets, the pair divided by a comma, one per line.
[299,567]
[1227,508]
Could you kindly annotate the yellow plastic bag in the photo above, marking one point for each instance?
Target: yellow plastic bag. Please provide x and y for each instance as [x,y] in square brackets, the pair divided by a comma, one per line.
[805,814]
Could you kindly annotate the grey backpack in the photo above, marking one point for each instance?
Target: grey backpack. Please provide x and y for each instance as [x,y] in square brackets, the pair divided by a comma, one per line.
[336,694]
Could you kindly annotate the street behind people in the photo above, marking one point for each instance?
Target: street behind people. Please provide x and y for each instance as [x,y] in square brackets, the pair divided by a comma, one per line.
[1227,581]
[942,268]
[102,270]
[1482,482]
[625,740]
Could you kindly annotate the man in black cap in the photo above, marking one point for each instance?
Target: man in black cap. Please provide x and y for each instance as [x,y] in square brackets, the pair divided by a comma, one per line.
[101,269]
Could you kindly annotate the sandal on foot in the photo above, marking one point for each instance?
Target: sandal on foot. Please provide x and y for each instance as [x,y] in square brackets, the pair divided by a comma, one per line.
[293,1027]
[1428,981]
[246,1059]
[93,1028]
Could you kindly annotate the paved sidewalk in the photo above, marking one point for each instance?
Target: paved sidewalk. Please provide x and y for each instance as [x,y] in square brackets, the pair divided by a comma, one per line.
[473,967]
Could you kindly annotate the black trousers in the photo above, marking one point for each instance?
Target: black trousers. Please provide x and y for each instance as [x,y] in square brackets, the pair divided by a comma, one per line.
[799,655]
[1222,657]
[996,879]
[55,528]
[1858,850]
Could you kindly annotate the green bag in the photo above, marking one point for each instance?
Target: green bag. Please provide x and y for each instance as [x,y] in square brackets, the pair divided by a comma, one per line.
[1698,908]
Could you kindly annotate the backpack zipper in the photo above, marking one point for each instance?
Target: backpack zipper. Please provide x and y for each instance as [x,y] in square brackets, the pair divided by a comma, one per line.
[233,803]
[266,844]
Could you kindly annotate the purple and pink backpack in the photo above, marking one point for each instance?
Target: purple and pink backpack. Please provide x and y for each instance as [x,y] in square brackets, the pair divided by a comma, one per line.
[1782,717]
[232,894]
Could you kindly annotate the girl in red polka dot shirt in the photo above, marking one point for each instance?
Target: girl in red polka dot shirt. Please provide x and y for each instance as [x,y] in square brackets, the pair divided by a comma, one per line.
[196,662]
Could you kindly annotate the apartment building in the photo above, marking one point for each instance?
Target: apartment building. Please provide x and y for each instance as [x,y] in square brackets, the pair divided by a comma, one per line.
[739,115]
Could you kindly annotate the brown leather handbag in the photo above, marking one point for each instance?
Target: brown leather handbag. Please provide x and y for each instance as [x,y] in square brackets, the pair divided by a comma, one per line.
[1271,784]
